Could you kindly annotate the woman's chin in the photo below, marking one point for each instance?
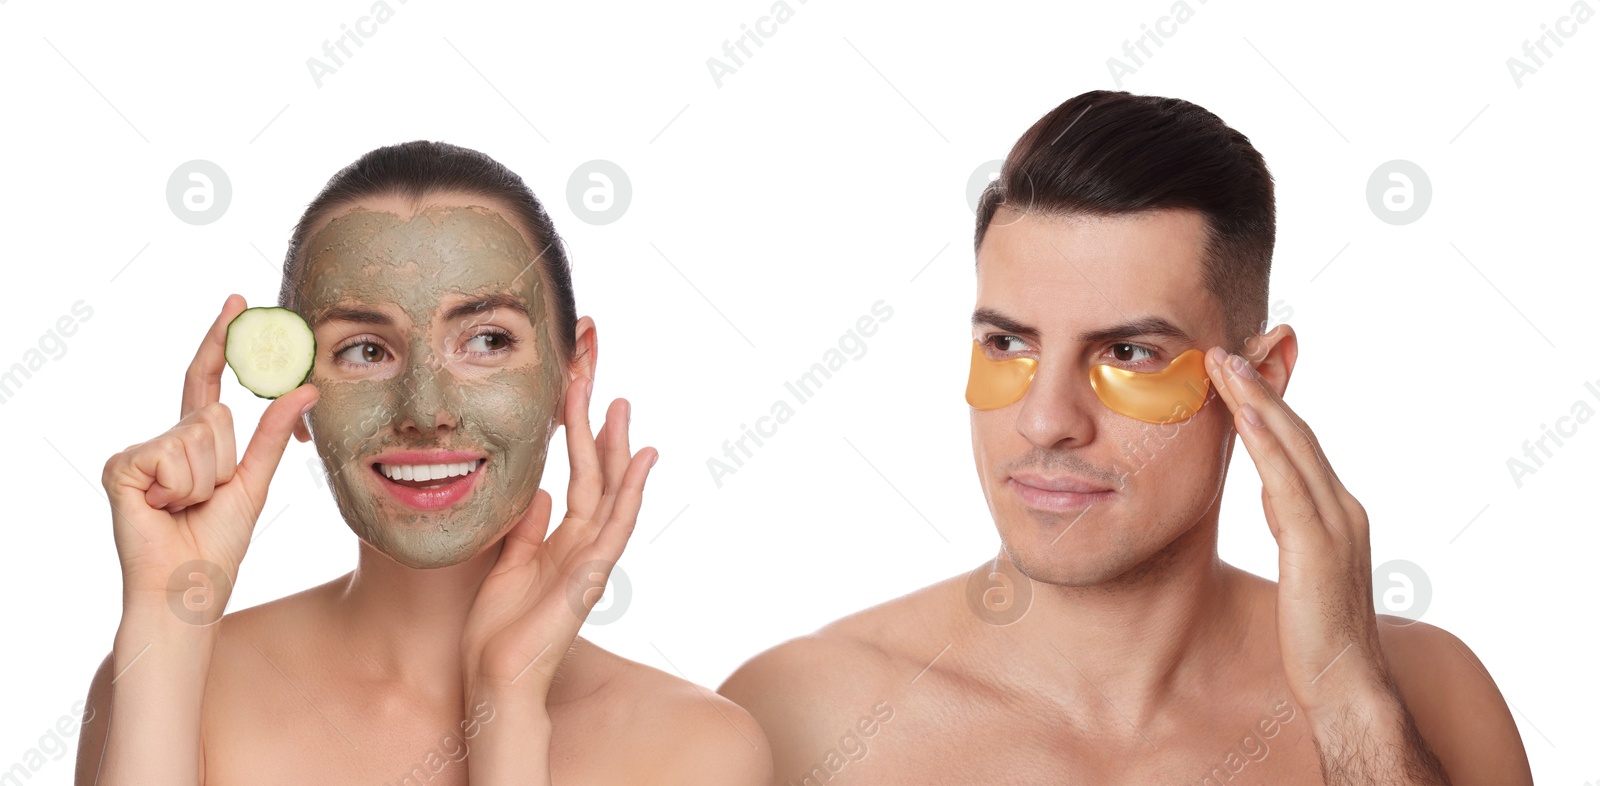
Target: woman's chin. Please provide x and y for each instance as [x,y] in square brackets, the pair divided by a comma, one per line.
[426,551]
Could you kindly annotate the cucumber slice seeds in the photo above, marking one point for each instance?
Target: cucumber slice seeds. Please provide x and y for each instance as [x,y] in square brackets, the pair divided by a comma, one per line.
[270,350]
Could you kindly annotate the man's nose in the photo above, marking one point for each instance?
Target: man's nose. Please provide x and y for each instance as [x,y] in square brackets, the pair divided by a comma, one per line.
[1058,407]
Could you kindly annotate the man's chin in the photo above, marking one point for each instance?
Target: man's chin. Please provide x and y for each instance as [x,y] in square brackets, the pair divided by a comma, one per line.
[1085,561]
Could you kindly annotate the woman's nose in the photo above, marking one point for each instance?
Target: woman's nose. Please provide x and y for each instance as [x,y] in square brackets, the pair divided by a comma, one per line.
[425,403]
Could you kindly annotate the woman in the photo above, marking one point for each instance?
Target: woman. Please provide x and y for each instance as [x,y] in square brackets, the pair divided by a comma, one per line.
[447,353]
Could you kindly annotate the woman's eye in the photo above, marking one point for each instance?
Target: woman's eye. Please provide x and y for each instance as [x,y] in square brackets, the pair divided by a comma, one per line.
[1123,350]
[362,353]
[490,342]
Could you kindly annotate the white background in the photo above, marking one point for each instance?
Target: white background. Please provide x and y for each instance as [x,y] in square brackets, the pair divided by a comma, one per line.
[827,172]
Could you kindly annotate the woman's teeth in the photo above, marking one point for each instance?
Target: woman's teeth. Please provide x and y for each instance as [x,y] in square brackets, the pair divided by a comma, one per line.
[427,472]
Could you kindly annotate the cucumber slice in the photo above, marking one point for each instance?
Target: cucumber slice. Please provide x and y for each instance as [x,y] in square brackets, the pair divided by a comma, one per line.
[270,350]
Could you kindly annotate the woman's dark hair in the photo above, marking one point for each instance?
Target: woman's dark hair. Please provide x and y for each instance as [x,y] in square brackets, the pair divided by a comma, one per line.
[414,170]
[1105,153]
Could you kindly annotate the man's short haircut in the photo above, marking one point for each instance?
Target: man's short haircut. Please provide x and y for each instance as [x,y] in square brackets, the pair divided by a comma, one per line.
[417,170]
[1105,153]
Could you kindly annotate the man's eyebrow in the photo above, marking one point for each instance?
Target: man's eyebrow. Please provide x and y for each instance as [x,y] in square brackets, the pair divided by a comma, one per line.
[989,316]
[487,303]
[1144,326]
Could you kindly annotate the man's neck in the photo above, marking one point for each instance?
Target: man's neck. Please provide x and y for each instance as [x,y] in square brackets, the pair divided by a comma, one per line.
[1132,646]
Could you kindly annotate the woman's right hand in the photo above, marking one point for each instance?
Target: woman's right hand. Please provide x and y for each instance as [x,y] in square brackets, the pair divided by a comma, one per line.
[182,498]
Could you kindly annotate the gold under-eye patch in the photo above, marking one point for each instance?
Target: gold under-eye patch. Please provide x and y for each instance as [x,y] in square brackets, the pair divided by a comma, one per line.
[992,384]
[1170,395]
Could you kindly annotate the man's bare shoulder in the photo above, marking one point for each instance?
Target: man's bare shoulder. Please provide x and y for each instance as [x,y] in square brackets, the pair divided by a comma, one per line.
[810,689]
[1456,704]
[854,653]
[668,729]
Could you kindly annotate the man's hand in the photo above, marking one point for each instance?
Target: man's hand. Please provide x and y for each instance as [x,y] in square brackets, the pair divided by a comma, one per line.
[1327,626]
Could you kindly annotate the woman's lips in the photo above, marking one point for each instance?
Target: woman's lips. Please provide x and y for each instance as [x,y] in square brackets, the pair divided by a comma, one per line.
[453,490]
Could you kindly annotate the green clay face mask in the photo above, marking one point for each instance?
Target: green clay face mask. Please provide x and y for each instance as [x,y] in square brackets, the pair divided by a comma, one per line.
[425,384]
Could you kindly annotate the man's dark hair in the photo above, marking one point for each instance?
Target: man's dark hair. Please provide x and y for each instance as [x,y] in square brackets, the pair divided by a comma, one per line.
[1105,153]
[415,170]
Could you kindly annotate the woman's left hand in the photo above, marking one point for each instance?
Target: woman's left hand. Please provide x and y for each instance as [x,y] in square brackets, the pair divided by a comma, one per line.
[530,607]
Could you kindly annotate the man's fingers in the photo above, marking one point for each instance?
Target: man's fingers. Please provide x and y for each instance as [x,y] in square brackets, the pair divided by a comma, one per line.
[266,446]
[1300,524]
[1296,447]
[202,384]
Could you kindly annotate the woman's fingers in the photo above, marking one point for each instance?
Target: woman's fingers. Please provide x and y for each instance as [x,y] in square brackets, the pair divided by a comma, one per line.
[583,489]
[165,462]
[614,456]
[202,384]
[625,513]
[523,541]
[266,446]
[219,420]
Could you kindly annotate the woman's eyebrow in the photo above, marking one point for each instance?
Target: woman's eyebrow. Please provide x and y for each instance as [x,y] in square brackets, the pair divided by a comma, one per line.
[364,316]
[487,303]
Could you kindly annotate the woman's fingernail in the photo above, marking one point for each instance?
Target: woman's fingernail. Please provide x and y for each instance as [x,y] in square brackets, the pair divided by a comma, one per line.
[1241,366]
[1251,416]
[653,459]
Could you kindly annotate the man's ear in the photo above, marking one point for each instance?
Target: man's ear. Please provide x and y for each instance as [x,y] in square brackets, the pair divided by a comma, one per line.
[1273,353]
[585,356]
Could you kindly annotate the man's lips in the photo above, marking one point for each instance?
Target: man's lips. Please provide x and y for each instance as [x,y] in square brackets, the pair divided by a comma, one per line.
[1058,492]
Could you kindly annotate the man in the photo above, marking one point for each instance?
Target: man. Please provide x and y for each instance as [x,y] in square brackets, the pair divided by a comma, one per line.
[1106,643]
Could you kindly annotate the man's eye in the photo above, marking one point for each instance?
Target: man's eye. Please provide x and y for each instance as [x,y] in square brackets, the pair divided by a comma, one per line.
[1122,351]
[1004,343]
[362,353]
